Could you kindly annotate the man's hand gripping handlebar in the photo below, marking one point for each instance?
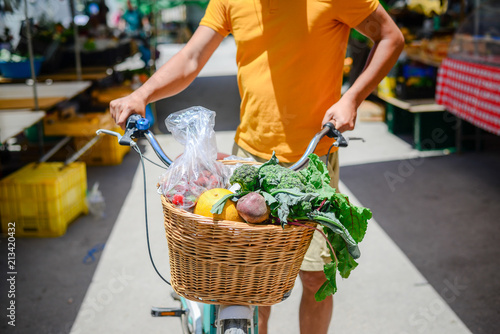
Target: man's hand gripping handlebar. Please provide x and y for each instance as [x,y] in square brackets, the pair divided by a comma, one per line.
[328,130]
[138,127]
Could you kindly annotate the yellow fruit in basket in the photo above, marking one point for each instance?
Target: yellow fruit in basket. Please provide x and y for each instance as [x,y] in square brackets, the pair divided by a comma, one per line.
[209,198]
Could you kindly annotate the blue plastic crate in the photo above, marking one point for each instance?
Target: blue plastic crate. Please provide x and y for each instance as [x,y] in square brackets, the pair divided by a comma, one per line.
[410,70]
[19,70]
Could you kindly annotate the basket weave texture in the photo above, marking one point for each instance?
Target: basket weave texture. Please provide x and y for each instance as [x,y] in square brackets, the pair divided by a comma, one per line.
[227,262]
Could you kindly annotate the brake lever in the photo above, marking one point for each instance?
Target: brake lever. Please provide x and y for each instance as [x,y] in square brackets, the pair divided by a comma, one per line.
[131,130]
[138,127]
[111,133]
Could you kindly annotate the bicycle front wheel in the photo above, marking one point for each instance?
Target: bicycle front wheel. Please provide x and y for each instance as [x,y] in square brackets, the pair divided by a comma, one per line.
[235,326]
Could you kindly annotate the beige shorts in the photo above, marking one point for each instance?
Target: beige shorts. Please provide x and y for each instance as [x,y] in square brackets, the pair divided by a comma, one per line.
[317,254]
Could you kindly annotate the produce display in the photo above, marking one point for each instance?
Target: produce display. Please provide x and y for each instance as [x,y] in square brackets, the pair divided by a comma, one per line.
[272,194]
[267,194]
[305,195]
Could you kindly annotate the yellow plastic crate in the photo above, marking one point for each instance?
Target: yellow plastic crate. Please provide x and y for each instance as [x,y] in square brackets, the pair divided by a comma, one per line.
[80,125]
[42,199]
[106,151]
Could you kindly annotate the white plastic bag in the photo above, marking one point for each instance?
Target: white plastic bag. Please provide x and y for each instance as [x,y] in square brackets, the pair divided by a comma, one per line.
[197,169]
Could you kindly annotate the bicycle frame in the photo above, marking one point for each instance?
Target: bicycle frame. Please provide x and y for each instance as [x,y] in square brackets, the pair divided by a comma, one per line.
[196,317]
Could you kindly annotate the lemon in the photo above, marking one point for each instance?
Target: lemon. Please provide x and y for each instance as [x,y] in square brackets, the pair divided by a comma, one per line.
[208,198]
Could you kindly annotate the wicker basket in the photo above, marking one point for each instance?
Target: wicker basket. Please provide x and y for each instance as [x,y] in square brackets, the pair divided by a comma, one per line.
[227,262]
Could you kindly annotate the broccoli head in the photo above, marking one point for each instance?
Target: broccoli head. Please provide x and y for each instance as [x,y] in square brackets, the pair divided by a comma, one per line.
[247,176]
[270,176]
[289,181]
[279,177]
[309,188]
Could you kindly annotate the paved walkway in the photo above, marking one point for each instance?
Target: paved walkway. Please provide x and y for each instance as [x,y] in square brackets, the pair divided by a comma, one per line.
[377,298]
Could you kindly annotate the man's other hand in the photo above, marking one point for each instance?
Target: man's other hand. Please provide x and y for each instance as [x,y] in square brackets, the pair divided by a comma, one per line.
[342,114]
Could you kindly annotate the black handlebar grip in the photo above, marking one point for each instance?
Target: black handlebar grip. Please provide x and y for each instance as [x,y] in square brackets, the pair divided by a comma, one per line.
[334,133]
[331,133]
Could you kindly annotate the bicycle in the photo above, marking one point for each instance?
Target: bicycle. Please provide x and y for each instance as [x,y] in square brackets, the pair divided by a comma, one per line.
[197,317]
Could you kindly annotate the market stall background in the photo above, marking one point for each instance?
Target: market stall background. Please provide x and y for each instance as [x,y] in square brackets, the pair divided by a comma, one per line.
[468,82]
[113,65]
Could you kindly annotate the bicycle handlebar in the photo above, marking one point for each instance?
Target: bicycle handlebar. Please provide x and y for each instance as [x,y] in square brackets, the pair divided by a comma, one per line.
[328,130]
[138,127]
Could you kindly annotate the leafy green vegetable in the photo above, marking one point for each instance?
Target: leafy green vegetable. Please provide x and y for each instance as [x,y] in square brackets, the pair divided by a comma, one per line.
[330,286]
[316,172]
[292,202]
[355,218]
[218,207]
[346,261]
[329,220]
[306,195]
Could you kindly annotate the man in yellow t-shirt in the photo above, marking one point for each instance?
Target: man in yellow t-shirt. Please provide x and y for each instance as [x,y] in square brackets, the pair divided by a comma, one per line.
[290,57]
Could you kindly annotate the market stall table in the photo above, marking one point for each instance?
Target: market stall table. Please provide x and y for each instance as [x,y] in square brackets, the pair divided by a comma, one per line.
[20,96]
[105,52]
[413,105]
[106,95]
[93,73]
[13,122]
[88,73]
[427,121]
[471,91]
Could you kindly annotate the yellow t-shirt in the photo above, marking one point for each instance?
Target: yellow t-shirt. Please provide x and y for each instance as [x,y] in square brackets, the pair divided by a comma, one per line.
[290,56]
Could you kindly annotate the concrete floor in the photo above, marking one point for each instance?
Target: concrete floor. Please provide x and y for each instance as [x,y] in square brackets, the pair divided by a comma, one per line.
[443,215]
[385,294]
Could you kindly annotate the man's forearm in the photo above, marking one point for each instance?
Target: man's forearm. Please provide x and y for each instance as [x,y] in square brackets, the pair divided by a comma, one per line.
[175,75]
[170,79]
[388,44]
[383,56]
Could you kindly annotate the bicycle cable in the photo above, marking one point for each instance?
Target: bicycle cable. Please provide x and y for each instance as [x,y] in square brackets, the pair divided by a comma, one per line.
[328,156]
[154,163]
[138,150]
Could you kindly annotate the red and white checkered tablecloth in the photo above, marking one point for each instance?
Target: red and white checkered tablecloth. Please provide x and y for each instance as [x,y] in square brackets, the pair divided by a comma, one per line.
[470,91]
